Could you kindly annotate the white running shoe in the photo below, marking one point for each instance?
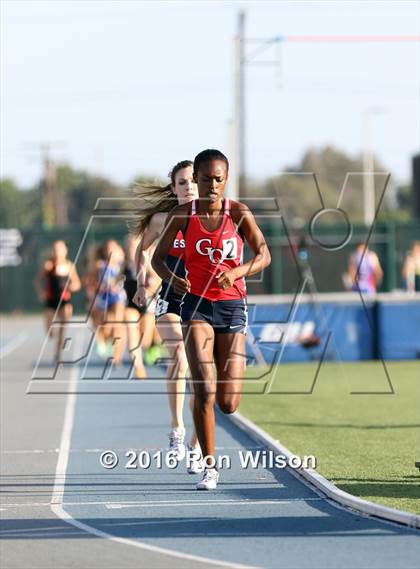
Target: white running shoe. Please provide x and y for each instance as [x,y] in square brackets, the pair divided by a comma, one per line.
[209,481]
[195,463]
[176,443]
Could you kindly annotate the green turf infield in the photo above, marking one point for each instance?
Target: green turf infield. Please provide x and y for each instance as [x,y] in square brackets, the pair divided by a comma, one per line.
[366,444]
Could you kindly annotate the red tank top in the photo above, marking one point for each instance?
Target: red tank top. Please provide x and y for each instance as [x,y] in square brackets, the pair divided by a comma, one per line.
[210,253]
[178,246]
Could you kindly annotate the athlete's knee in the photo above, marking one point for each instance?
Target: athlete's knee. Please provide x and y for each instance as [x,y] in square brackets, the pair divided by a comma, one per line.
[227,407]
[180,360]
[228,404]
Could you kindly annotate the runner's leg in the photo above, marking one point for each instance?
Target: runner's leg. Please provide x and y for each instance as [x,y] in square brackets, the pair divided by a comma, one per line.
[171,334]
[115,318]
[169,328]
[230,357]
[64,316]
[132,318]
[49,315]
[199,344]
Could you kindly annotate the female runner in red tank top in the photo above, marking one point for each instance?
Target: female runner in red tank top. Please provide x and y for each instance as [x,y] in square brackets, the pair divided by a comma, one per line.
[213,311]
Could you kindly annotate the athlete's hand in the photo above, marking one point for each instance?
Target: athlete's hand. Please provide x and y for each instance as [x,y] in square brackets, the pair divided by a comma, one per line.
[225,280]
[140,298]
[181,286]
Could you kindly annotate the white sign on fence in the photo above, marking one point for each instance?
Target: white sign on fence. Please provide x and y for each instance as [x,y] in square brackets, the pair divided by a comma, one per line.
[10,240]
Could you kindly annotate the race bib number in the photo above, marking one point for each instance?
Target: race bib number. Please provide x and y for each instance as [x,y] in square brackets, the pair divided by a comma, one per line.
[230,248]
[161,307]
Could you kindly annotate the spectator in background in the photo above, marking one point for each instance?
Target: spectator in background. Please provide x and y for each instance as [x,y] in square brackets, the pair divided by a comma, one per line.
[411,268]
[365,270]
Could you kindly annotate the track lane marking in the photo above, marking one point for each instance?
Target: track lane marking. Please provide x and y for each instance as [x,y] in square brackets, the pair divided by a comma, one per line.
[160,503]
[98,450]
[13,344]
[57,505]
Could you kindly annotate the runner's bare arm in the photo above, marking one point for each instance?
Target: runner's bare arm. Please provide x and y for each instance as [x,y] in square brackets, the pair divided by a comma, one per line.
[352,269]
[38,282]
[75,284]
[176,221]
[377,269]
[245,220]
[143,253]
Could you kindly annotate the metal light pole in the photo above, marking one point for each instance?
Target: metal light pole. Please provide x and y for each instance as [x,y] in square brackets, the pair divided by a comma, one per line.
[369,166]
[237,174]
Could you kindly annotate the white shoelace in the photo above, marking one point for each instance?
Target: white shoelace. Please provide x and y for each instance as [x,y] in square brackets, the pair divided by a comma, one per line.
[195,453]
[209,474]
[176,439]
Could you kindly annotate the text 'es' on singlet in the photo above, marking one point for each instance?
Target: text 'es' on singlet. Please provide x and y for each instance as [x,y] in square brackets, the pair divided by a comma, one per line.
[175,257]
[210,253]
[175,262]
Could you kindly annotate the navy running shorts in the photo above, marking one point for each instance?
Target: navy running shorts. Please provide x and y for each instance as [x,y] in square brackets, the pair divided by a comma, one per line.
[225,316]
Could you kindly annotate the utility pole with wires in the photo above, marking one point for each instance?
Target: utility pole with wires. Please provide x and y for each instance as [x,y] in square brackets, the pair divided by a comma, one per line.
[241,59]
[238,174]
[54,208]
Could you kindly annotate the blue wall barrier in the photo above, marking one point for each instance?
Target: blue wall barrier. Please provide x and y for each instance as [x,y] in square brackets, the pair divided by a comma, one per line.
[348,329]
[399,329]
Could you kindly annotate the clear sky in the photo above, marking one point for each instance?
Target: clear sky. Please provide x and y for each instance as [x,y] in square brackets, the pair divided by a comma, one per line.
[132,87]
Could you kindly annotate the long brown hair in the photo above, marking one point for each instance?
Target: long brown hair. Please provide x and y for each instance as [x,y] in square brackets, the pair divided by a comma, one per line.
[155,199]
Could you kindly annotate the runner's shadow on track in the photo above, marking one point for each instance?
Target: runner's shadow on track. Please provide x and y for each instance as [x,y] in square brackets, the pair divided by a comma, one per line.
[190,527]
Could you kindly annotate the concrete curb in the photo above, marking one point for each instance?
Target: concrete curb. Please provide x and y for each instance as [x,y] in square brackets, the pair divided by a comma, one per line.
[325,486]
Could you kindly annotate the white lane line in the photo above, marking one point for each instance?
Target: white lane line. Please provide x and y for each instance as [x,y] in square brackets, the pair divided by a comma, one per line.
[57,506]
[32,451]
[64,448]
[158,503]
[13,344]
[97,450]
[205,503]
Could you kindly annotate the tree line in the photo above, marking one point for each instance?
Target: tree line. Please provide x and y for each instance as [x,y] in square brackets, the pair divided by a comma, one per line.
[67,196]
